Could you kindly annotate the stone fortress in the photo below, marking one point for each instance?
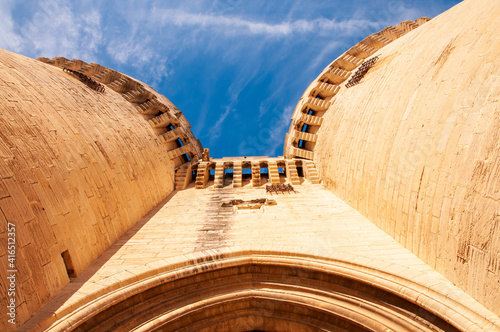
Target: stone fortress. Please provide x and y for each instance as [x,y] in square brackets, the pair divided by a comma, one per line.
[391,221]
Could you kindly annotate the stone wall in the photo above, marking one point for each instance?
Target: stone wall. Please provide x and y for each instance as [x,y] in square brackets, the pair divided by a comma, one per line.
[78,168]
[415,145]
[240,258]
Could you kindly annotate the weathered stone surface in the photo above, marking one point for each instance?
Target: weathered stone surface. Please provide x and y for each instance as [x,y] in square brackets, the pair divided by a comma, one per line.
[415,146]
[259,243]
[203,226]
[78,168]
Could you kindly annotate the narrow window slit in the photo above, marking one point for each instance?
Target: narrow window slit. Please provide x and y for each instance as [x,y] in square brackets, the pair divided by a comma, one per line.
[68,263]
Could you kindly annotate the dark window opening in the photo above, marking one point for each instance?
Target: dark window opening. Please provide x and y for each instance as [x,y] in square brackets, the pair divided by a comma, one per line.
[246,173]
[170,127]
[179,142]
[211,175]
[301,143]
[304,128]
[68,263]
[228,173]
[264,174]
[300,171]
[311,112]
[186,158]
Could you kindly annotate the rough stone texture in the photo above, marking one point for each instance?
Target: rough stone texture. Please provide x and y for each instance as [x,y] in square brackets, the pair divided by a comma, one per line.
[345,71]
[168,122]
[193,225]
[415,146]
[78,168]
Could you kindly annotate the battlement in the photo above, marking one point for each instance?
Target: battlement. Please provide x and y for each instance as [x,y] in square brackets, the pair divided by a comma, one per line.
[316,100]
[237,172]
[382,214]
[148,102]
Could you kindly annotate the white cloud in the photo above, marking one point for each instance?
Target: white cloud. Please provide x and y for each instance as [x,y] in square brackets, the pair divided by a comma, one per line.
[140,54]
[271,55]
[9,39]
[133,50]
[53,29]
[236,25]
[324,55]
[216,130]
[280,125]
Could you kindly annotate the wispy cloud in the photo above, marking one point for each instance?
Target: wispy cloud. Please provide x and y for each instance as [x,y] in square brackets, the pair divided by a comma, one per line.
[324,55]
[216,130]
[9,39]
[233,67]
[54,29]
[281,124]
[238,25]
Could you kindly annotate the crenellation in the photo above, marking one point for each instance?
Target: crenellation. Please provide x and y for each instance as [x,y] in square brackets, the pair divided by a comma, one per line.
[301,153]
[309,120]
[421,20]
[183,176]
[64,181]
[391,33]
[291,172]
[162,121]
[288,175]
[57,61]
[318,97]
[74,64]
[152,107]
[237,174]
[202,175]
[123,84]
[361,51]
[91,69]
[149,105]
[305,136]
[334,75]
[347,62]
[106,76]
[174,153]
[407,26]
[325,90]
[172,135]
[219,175]
[383,213]
[316,104]
[310,172]
[138,95]
[256,174]
[274,176]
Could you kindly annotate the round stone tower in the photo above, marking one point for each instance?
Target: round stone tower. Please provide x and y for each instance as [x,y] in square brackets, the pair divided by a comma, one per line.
[382,215]
[410,138]
[79,166]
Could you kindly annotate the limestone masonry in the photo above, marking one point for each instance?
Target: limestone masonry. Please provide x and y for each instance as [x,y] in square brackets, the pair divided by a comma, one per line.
[383,214]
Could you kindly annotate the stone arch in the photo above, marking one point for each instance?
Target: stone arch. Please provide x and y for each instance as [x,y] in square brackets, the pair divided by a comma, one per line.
[270,290]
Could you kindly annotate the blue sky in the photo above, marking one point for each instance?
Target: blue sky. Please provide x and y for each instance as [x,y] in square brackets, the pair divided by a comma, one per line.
[235,68]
